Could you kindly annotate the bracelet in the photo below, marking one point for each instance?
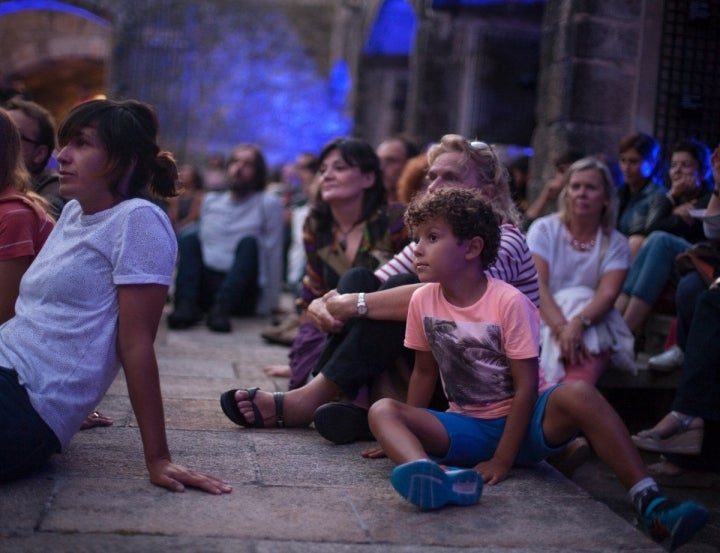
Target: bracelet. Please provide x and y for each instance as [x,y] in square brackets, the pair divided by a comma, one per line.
[558,328]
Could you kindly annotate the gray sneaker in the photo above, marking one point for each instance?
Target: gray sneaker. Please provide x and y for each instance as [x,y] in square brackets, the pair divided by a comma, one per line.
[667,361]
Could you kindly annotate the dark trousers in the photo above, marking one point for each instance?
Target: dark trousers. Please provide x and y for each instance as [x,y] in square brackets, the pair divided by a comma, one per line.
[236,291]
[26,441]
[698,393]
[367,347]
[687,293]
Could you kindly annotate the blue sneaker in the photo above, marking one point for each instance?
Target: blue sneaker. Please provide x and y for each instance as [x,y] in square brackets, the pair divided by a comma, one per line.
[677,521]
[427,485]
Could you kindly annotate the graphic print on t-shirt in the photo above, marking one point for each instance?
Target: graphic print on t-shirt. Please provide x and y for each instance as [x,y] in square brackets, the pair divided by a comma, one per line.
[471,360]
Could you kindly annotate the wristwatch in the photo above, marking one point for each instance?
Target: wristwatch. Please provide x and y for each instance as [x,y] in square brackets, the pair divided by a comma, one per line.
[361,305]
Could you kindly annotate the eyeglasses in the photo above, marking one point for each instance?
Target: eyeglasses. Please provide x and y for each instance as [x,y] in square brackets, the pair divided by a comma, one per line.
[30,140]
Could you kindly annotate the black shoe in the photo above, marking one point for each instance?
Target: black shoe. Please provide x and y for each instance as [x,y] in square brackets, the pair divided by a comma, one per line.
[218,320]
[185,315]
[342,422]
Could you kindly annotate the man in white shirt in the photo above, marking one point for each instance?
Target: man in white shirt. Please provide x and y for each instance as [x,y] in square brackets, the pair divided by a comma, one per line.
[230,263]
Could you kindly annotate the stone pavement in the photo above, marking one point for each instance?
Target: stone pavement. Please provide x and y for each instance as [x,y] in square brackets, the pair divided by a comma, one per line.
[293,491]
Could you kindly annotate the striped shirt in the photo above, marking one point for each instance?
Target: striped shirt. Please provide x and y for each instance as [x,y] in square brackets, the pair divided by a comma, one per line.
[514,263]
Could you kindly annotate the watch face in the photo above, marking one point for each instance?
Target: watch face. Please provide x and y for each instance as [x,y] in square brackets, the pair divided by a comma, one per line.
[361,305]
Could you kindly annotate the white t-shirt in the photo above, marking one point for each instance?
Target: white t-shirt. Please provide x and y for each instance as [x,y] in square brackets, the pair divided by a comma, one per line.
[548,238]
[62,340]
[225,220]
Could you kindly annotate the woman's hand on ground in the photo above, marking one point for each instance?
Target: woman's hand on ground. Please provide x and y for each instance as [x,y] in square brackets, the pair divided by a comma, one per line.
[174,477]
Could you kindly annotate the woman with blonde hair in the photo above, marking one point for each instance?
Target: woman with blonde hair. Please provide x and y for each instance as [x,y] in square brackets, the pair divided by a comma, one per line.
[582,262]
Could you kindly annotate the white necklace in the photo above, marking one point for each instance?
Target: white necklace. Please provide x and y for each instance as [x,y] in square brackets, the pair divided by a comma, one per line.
[577,244]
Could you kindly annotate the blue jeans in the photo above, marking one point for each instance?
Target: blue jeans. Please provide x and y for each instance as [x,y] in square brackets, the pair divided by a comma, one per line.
[654,266]
[236,291]
[26,441]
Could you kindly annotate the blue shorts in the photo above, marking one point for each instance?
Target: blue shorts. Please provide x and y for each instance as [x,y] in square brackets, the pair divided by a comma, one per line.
[474,440]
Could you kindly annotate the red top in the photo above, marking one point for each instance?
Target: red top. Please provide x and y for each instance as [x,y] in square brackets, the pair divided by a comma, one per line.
[24,226]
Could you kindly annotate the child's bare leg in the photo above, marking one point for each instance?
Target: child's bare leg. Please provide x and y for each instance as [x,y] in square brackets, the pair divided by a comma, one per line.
[406,433]
[580,406]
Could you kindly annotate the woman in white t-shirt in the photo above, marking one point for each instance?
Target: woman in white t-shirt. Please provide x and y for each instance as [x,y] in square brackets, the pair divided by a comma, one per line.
[93,297]
[581,262]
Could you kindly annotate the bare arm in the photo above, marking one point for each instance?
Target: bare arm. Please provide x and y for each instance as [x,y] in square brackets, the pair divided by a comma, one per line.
[330,312]
[383,305]
[549,192]
[140,308]
[525,376]
[423,379]
[11,271]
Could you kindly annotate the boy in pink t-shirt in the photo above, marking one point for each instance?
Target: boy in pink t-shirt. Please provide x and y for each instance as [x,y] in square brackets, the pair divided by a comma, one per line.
[481,337]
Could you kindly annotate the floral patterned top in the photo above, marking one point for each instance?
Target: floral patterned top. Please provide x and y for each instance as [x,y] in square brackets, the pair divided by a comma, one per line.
[384,235]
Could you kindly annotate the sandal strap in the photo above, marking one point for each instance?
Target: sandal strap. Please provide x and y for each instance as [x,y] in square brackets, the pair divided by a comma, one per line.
[279,420]
[684,422]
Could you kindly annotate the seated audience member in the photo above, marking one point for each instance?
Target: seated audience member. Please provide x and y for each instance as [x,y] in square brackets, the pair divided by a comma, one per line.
[639,157]
[184,209]
[692,284]
[394,152]
[552,187]
[25,224]
[689,436]
[37,134]
[231,262]
[672,231]
[479,337]
[365,316]
[92,299]
[350,225]
[581,262]
[519,169]
[214,173]
[413,178]
[306,167]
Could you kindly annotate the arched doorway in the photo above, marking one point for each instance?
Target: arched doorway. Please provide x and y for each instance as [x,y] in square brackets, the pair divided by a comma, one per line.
[53,53]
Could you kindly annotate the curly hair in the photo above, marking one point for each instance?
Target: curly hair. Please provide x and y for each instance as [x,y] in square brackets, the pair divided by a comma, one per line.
[466,211]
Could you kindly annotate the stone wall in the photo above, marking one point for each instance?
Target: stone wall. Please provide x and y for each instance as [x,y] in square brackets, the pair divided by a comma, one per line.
[592,57]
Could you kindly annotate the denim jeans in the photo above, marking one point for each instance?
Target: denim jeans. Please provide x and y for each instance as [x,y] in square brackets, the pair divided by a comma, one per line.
[235,291]
[26,441]
[654,266]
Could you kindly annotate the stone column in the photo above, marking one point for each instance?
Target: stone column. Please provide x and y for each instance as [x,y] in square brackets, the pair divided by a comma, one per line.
[593,57]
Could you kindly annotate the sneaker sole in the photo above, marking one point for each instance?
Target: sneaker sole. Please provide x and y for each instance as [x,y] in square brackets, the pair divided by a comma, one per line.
[425,484]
